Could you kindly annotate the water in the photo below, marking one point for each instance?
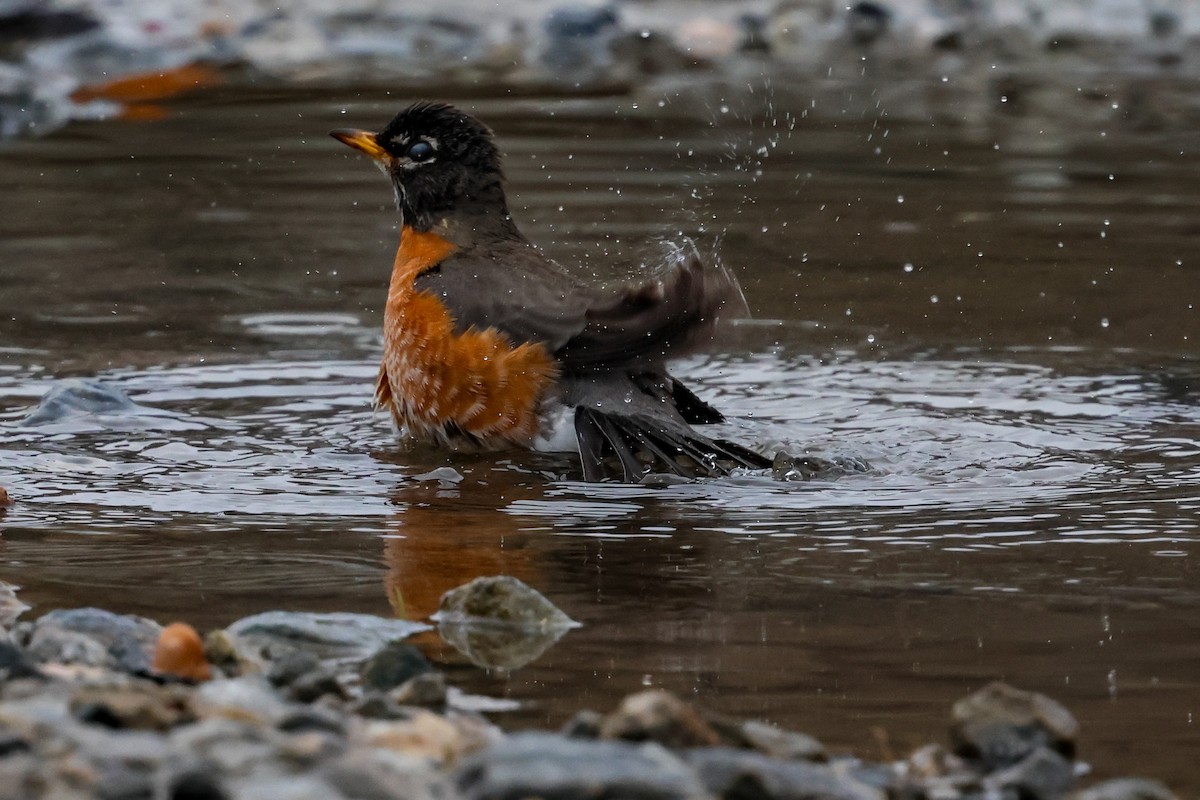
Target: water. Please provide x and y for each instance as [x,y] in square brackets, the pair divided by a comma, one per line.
[1003,324]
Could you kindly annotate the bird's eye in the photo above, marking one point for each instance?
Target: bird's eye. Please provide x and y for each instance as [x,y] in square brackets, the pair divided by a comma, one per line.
[420,151]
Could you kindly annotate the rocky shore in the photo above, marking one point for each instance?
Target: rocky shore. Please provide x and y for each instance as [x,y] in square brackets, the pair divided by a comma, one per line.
[1100,62]
[289,705]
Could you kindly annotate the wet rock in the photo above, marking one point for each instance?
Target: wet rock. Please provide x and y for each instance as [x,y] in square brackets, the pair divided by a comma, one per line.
[502,600]
[1126,789]
[659,716]
[94,637]
[335,639]
[180,652]
[499,622]
[5,499]
[742,774]
[94,404]
[443,475]
[999,726]
[1042,775]
[547,765]
[392,666]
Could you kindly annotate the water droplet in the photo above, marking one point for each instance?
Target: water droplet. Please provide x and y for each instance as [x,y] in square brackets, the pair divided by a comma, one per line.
[870,338]
[908,267]
[933,298]
[1104,322]
[899,198]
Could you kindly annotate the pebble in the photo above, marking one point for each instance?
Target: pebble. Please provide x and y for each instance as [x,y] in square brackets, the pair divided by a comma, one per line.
[180,652]
[1000,725]
[546,765]
[499,622]
[392,666]
[93,637]
[657,715]
[336,714]
[1126,789]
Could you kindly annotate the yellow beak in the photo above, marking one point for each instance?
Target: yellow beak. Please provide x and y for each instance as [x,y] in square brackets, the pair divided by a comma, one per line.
[364,141]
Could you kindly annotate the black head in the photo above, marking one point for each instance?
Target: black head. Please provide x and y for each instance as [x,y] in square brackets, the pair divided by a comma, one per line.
[442,163]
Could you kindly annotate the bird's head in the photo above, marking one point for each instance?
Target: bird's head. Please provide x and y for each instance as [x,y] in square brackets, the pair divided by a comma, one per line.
[442,162]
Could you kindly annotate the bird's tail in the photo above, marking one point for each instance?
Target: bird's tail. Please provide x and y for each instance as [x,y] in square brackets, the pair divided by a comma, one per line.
[632,446]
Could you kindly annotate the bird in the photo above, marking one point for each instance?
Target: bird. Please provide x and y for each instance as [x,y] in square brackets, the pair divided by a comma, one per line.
[489,344]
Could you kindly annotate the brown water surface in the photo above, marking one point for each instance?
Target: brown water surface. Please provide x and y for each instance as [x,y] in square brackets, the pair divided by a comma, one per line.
[1004,325]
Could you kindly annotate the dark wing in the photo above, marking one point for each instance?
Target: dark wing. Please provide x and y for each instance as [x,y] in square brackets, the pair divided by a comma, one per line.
[517,291]
[531,299]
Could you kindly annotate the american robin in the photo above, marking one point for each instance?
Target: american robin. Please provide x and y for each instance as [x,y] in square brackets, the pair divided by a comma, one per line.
[490,344]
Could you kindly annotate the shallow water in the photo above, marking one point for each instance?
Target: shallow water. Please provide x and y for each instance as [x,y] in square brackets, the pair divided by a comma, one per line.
[1003,324]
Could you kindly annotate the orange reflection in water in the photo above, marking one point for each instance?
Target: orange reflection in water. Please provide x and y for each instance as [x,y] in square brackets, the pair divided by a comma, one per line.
[139,93]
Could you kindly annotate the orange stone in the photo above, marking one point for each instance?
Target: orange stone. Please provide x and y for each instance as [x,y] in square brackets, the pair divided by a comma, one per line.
[5,500]
[180,652]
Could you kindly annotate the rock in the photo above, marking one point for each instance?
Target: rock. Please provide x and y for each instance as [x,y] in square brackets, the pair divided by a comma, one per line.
[393,665]
[247,699]
[731,773]
[285,787]
[1125,789]
[94,637]
[372,774]
[443,475]
[657,715]
[427,689]
[769,739]
[291,667]
[1042,775]
[584,725]
[312,718]
[91,404]
[14,665]
[119,782]
[499,622]
[142,706]
[552,766]
[501,600]
[5,499]
[10,606]
[314,685]
[180,652]
[336,639]
[198,784]
[1000,725]
[76,397]
[423,734]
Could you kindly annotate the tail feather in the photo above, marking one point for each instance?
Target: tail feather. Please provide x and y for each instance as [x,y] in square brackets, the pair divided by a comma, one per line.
[634,446]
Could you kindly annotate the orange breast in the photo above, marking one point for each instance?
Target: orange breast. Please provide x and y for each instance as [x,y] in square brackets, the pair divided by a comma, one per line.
[436,382]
